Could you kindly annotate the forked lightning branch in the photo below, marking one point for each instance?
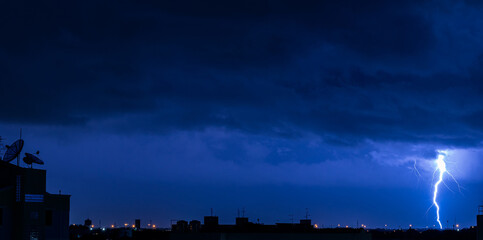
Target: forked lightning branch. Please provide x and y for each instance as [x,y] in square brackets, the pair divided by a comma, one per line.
[441,170]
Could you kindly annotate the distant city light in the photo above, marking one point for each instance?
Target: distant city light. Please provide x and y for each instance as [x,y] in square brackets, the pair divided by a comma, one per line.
[154,226]
[316,226]
[112,226]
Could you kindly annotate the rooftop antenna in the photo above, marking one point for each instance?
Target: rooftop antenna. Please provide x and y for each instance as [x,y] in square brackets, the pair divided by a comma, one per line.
[243,212]
[238,212]
[211,211]
[18,156]
[1,145]
[307,213]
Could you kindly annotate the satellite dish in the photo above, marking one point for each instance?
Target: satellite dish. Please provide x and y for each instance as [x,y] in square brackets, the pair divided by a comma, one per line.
[13,150]
[30,158]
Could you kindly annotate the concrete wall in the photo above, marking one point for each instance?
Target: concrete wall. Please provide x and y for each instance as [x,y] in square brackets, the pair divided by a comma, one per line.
[7,200]
[6,226]
[59,205]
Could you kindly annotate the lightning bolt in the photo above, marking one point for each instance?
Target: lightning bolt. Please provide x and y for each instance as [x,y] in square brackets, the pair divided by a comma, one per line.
[441,167]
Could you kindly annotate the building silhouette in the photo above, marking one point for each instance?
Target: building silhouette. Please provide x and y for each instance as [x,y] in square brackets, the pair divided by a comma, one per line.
[479,223]
[27,211]
[137,223]
[88,222]
[244,229]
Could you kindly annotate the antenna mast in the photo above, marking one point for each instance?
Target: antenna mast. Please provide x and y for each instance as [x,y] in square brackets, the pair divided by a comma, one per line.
[18,156]
[1,146]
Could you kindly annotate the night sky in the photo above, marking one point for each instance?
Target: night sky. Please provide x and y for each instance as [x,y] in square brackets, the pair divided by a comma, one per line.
[162,110]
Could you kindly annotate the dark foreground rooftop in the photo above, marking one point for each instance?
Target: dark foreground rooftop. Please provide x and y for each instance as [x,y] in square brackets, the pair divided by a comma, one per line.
[268,232]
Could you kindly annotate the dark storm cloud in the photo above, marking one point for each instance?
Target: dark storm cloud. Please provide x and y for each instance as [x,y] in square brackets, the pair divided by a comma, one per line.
[336,106]
[254,66]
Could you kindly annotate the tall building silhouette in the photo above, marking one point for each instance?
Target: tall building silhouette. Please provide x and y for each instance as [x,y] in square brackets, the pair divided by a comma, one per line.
[27,211]
[479,223]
